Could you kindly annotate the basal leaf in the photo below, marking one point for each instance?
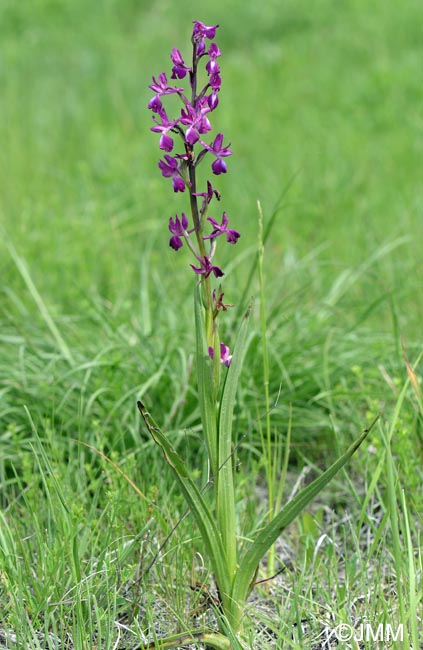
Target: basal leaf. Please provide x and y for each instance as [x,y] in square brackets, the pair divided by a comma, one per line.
[251,559]
[196,503]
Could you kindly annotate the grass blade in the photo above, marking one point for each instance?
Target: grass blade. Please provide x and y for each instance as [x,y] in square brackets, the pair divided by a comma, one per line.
[23,270]
[271,532]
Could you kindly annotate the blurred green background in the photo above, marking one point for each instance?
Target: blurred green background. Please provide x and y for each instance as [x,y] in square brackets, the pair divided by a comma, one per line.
[322,104]
[324,96]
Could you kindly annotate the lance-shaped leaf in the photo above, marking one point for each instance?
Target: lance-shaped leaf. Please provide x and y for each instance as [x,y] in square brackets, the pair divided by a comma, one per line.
[206,388]
[196,504]
[225,484]
[249,563]
[210,639]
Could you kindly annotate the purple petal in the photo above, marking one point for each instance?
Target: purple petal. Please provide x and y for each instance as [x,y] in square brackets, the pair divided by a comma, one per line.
[178,72]
[213,101]
[176,57]
[215,81]
[155,104]
[162,79]
[217,144]
[178,184]
[219,167]
[200,47]
[175,242]
[191,136]
[166,142]
[165,169]
[214,51]
[225,356]
[213,223]
[210,32]
[184,221]
[172,225]
[200,29]
[203,125]
[175,226]
[212,67]
[199,271]
[232,236]
[172,162]
[218,273]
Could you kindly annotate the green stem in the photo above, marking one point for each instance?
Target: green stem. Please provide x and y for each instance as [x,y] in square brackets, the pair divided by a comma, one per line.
[207,293]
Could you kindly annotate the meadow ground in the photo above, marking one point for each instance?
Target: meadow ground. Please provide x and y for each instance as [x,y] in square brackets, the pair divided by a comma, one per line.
[322,104]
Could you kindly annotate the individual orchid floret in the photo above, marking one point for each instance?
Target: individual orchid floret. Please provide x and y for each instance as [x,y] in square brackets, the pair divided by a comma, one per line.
[179,70]
[170,169]
[209,194]
[215,82]
[166,142]
[212,66]
[225,355]
[178,228]
[207,268]
[201,32]
[232,236]
[218,303]
[196,121]
[213,101]
[155,104]
[161,87]
[219,165]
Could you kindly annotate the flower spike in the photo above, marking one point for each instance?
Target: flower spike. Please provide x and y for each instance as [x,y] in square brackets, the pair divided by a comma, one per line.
[189,128]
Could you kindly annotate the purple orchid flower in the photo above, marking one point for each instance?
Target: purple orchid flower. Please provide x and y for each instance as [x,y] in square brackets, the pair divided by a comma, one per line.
[232,236]
[155,104]
[196,121]
[215,82]
[166,142]
[170,169]
[161,87]
[209,194]
[219,166]
[191,125]
[201,32]
[207,268]
[179,70]
[225,356]
[178,228]
[212,66]
[213,101]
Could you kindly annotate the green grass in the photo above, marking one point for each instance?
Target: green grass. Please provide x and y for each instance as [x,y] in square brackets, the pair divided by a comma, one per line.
[322,104]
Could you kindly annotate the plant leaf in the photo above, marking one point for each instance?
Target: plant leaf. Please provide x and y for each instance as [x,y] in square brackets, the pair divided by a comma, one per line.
[225,497]
[211,639]
[206,389]
[250,561]
[196,503]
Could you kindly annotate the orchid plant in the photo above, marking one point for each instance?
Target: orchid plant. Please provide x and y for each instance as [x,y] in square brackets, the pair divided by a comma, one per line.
[234,568]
